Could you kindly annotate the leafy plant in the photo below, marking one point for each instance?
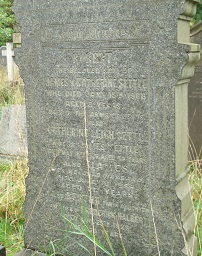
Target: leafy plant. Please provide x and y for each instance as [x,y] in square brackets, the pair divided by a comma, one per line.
[7,21]
[198,15]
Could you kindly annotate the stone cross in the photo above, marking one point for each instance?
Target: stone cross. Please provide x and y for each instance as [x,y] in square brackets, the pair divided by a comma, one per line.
[9,54]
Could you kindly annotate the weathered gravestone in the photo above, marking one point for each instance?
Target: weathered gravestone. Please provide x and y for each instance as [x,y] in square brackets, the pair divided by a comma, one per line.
[195,101]
[106,87]
[13,133]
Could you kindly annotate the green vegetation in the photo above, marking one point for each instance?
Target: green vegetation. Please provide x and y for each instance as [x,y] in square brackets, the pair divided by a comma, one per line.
[196,182]
[7,21]
[12,194]
[198,15]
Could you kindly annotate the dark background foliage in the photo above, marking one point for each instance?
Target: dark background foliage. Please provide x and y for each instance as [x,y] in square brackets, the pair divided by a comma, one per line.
[7,21]
[198,15]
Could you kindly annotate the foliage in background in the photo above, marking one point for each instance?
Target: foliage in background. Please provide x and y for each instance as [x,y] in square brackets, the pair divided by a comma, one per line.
[198,15]
[7,21]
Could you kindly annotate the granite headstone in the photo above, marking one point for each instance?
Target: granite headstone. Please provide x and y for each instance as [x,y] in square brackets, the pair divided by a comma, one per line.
[106,85]
[195,101]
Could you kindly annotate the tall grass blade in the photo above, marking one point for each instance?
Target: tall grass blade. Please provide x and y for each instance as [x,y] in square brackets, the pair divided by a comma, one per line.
[122,243]
[78,231]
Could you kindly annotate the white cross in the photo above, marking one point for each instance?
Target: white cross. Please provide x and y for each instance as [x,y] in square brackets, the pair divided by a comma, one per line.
[9,53]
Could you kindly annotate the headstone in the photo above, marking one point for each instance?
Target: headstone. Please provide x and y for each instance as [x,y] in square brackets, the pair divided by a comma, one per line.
[195,102]
[9,54]
[13,133]
[106,88]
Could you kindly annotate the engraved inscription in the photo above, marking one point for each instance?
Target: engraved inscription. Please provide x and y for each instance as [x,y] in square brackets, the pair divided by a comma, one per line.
[119,30]
[98,66]
[196,94]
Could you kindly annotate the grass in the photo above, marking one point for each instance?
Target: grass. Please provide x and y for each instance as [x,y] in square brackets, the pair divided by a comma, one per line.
[12,194]
[79,227]
[12,175]
[11,94]
[196,183]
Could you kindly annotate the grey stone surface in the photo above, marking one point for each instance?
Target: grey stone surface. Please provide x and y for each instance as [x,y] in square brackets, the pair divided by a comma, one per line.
[195,101]
[2,58]
[2,48]
[106,88]
[13,131]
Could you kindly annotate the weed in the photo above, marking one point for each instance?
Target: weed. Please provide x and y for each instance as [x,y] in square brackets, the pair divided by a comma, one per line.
[78,234]
[12,194]
[10,236]
[196,182]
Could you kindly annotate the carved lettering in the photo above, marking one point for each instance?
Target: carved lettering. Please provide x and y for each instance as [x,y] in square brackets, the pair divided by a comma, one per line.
[65,131]
[137,84]
[122,30]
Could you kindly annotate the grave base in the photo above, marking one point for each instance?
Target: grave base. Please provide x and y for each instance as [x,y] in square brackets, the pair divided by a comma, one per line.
[29,252]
